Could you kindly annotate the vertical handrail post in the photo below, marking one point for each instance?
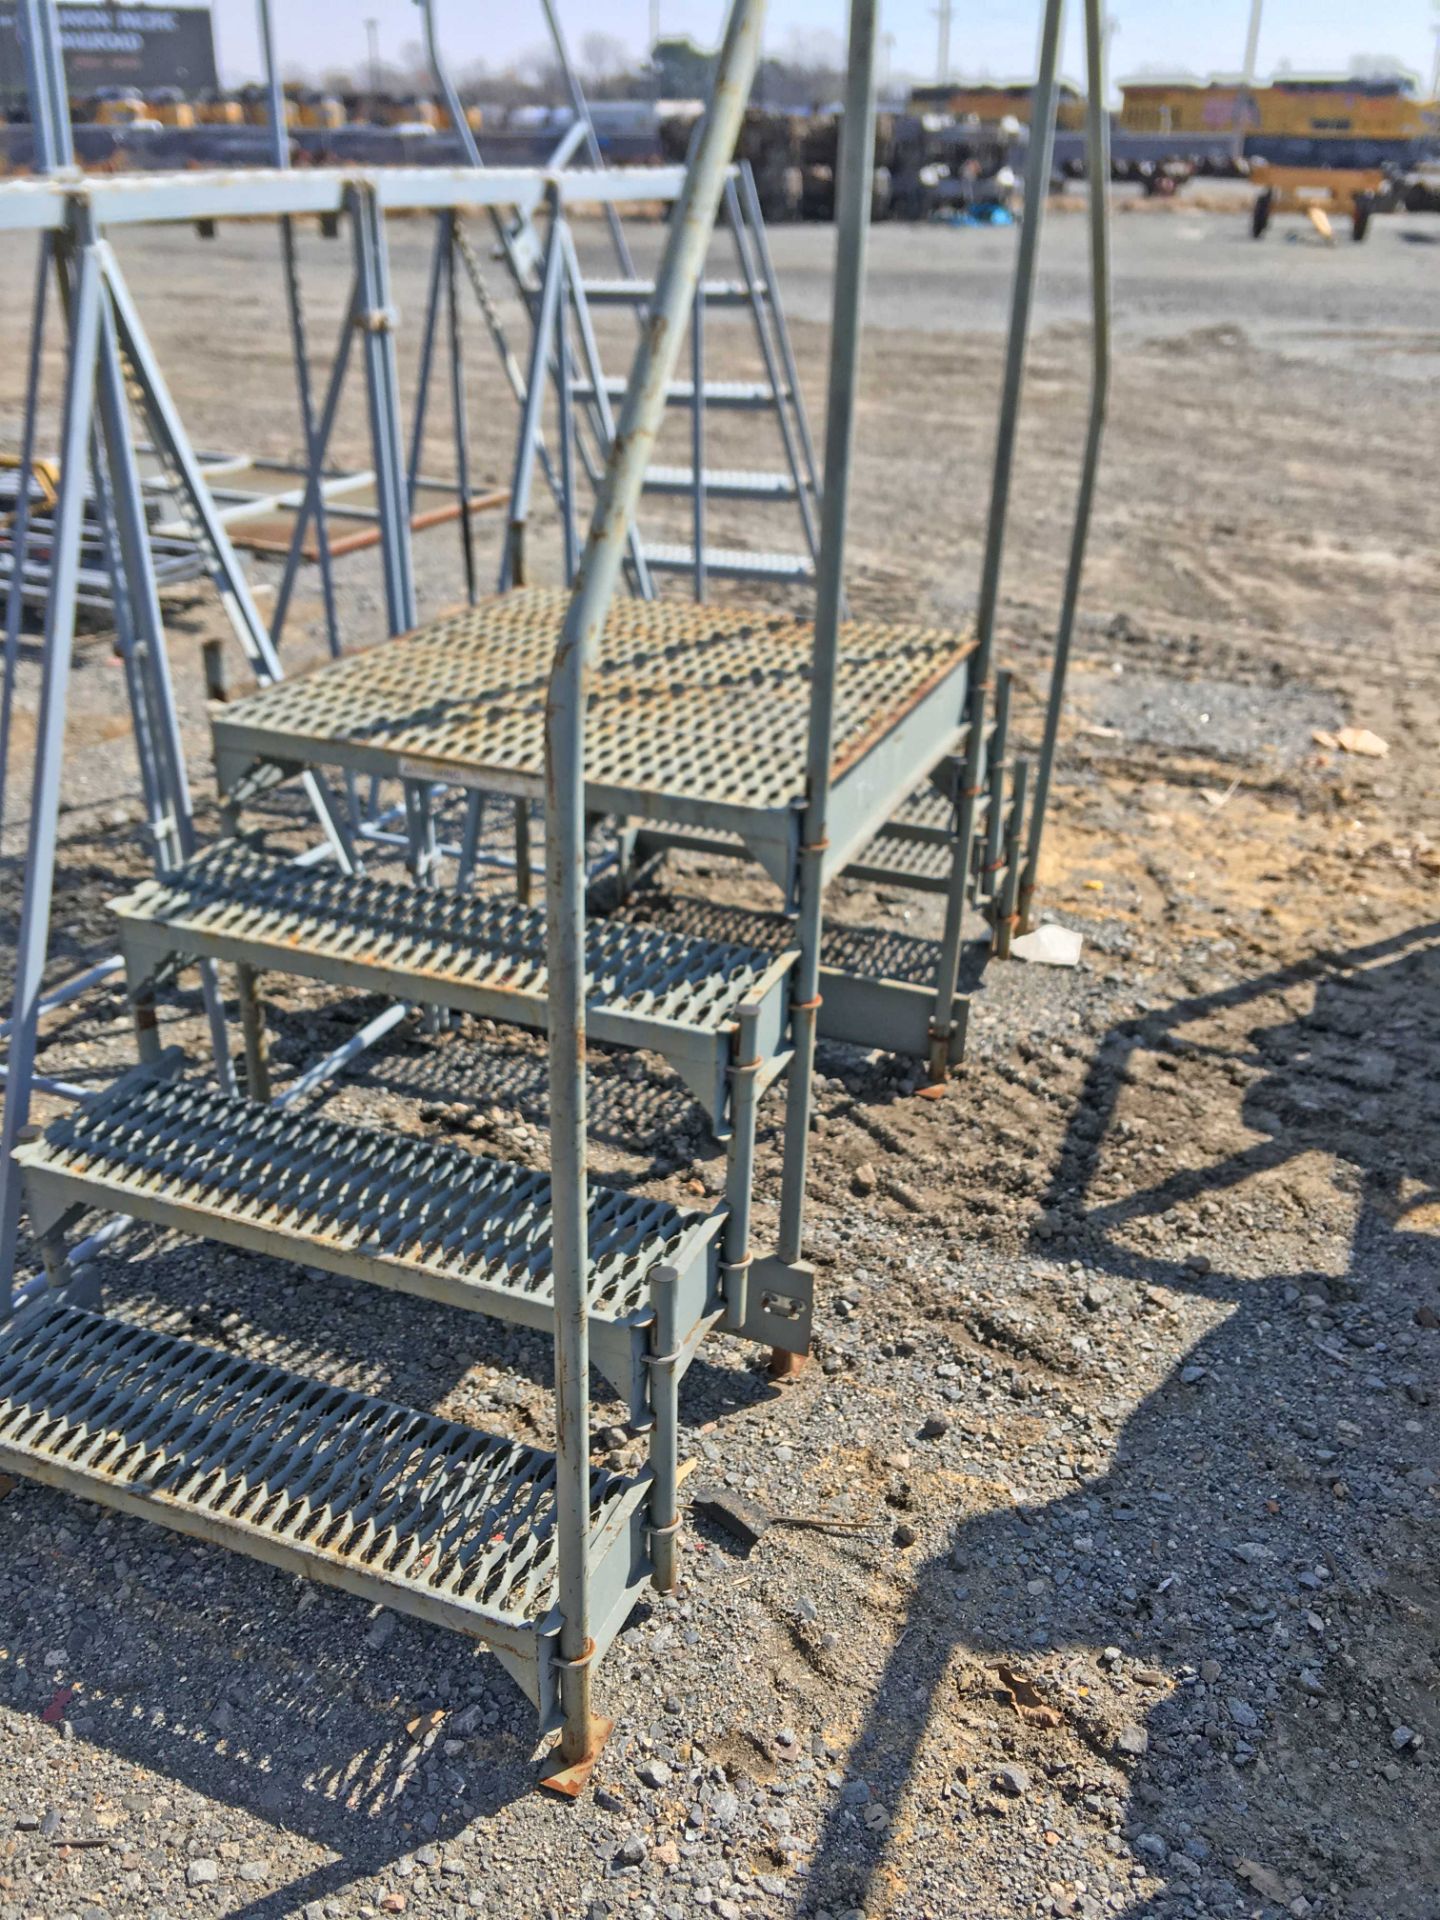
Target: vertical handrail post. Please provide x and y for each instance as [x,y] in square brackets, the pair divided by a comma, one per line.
[377,324]
[853,195]
[691,225]
[1097,167]
[973,782]
[290,263]
[30,950]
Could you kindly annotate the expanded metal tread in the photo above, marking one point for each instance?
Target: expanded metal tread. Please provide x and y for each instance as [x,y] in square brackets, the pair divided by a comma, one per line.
[723,483]
[649,987]
[402,1507]
[923,865]
[730,563]
[927,809]
[638,293]
[701,710]
[417,1214]
[745,395]
[275,907]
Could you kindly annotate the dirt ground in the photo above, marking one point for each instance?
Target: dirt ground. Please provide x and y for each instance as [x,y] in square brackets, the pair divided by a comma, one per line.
[1126,1363]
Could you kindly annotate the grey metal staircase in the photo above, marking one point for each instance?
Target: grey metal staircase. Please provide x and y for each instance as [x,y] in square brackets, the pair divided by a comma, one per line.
[565,359]
[809,743]
[405,1510]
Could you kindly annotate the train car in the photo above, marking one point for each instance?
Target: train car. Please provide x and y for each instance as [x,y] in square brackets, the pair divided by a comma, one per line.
[989,101]
[1313,120]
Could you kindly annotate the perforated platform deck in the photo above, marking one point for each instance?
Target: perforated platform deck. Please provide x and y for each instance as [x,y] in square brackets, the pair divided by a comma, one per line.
[697,714]
[418,1215]
[650,987]
[399,1507]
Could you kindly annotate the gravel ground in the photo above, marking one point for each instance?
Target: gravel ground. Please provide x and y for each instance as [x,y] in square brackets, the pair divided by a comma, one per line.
[1124,1385]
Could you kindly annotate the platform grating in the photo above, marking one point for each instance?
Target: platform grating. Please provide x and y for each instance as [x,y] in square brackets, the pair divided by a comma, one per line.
[704,704]
[234,893]
[244,1453]
[162,1147]
[922,864]
[744,395]
[730,563]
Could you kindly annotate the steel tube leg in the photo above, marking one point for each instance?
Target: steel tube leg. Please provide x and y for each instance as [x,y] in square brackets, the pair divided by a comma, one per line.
[257,1040]
[1006,918]
[524,875]
[619,494]
[852,213]
[1097,169]
[740,1176]
[145,1015]
[664,1363]
[947,973]
[992,858]
[49,751]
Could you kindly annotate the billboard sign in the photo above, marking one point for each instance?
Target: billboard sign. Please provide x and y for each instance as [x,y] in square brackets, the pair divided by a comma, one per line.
[120,46]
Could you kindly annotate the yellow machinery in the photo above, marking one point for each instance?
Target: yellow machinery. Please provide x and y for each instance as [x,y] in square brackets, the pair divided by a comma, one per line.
[219,110]
[406,110]
[1320,193]
[1318,117]
[169,106]
[120,107]
[311,109]
[255,104]
[473,116]
[990,100]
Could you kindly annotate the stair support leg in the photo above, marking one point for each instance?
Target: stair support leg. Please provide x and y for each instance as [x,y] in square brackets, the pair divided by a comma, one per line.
[257,1038]
[947,972]
[992,860]
[524,863]
[740,1175]
[146,1016]
[1007,919]
[663,1360]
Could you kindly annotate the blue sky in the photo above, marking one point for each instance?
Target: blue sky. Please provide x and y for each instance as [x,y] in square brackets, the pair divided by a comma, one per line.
[988,36]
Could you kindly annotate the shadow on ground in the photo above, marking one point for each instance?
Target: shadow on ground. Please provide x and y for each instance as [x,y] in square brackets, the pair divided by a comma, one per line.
[1163,1555]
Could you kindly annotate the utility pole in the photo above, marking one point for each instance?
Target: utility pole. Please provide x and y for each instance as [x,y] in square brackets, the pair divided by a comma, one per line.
[654,24]
[1435,69]
[942,52]
[372,35]
[1245,104]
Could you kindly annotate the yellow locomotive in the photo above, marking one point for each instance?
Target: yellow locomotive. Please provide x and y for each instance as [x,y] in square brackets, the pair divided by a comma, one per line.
[1295,119]
[991,100]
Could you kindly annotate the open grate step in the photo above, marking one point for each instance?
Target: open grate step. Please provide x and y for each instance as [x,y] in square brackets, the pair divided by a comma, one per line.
[649,987]
[743,396]
[730,563]
[895,859]
[421,1216]
[722,483]
[639,293]
[398,1507]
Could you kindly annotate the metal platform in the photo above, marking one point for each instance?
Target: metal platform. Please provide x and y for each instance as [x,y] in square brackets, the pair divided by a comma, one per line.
[684,999]
[697,716]
[398,1507]
[417,1215]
